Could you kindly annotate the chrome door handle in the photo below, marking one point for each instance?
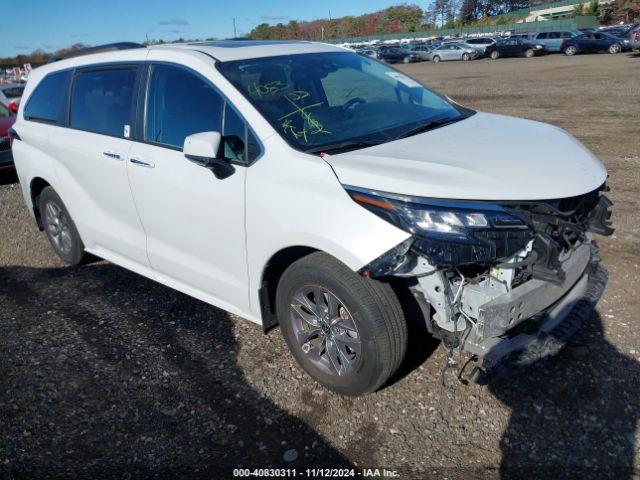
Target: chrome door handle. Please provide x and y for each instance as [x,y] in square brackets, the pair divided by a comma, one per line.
[111,154]
[142,163]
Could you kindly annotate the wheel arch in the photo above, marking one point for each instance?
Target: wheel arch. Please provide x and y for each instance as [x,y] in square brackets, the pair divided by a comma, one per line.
[36,186]
[271,274]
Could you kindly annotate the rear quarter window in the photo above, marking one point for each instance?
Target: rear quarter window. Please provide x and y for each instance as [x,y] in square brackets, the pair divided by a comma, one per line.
[48,102]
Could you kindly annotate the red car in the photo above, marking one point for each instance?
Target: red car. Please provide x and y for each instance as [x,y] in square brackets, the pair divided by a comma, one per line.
[7,119]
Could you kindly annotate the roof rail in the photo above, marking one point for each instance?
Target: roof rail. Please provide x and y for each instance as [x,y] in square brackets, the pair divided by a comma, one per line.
[97,49]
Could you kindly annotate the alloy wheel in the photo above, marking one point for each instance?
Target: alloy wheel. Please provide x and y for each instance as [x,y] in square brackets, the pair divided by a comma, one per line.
[325,330]
[58,227]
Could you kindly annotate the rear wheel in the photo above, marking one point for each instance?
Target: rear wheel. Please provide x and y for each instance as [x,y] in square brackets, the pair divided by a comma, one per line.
[59,227]
[529,53]
[615,48]
[494,55]
[346,331]
[466,56]
[436,59]
[570,50]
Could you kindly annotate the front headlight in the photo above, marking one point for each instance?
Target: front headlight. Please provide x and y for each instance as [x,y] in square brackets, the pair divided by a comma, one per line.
[450,232]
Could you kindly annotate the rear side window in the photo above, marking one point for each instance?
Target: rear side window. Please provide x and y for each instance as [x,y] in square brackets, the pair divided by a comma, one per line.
[101,101]
[542,36]
[554,35]
[180,104]
[48,103]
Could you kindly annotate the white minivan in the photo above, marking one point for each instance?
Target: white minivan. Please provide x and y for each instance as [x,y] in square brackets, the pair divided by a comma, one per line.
[301,185]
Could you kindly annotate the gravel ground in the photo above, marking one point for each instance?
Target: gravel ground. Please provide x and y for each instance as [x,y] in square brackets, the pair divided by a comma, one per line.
[108,375]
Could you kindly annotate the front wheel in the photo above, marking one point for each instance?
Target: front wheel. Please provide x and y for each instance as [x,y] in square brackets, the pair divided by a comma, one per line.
[571,50]
[494,55]
[346,331]
[528,53]
[466,57]
[615,48]
[59,227]
[406,60]
[436,59]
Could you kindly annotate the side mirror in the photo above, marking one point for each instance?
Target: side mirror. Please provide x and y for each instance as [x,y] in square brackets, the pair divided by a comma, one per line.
[202,149]
[13,108]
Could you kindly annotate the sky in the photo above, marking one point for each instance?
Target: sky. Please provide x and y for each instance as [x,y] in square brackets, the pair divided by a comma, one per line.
[55,24]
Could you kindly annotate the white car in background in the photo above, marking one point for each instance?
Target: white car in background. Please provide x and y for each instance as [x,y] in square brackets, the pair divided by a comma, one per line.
[304,186]
[480,44]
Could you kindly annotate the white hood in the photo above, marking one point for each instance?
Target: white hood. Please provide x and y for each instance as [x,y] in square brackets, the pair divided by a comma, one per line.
[484,157]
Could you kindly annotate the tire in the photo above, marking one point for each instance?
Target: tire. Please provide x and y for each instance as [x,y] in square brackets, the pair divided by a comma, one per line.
[436,59]
[466,57]
[570,50]
[373,321]
[59,227]
[406,60]
[529,53]
[615,48]
[494,55]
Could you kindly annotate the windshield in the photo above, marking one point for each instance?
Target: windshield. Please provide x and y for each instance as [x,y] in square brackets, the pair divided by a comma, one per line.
[331,99]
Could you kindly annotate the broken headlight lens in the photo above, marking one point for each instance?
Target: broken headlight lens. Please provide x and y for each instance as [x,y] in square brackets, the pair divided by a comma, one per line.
[450,232]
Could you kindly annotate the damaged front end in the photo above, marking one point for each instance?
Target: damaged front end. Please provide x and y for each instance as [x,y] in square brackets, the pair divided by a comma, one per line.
[496,279]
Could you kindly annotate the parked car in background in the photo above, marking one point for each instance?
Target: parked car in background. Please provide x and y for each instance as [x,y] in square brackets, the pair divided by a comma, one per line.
[452,51]
[480,44]
[634,39]
[397,55]
[11,92]
[622,31]
[553,40]
[7,119]
[422,51]
[522,36]
[369,52]
[514,47]
[594,43]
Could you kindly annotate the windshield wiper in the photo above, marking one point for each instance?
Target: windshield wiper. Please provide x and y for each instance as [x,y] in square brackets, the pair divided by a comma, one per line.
[343,147]
[428,126]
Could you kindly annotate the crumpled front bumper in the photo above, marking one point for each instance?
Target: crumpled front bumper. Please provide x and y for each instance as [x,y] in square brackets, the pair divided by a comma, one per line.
[508,354]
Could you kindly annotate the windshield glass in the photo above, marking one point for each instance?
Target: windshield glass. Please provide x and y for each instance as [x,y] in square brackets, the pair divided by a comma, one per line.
[331,99]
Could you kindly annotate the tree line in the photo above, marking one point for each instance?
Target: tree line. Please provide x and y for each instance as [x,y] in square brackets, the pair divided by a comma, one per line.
[445,14]
[404,18]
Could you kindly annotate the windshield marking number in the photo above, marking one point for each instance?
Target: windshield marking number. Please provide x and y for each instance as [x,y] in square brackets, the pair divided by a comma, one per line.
[311,125]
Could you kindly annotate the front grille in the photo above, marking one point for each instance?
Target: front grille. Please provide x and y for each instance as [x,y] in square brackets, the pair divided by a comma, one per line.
[559,227]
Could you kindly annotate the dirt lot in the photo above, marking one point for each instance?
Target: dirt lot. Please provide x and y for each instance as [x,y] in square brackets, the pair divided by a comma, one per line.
[106,374]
